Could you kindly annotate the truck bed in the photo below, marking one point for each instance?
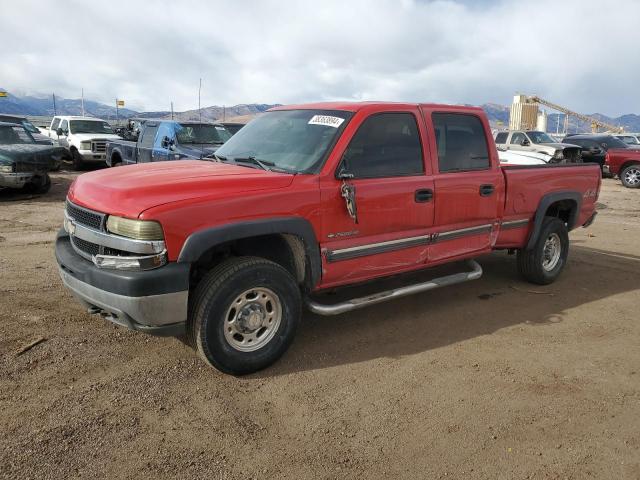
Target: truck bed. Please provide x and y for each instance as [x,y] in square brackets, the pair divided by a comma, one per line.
[527,184]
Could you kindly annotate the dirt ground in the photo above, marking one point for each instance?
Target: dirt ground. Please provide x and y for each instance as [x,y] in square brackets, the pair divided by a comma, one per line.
[492,379]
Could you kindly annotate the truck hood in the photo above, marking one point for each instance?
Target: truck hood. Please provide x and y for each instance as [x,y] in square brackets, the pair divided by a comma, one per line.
[560,146]
[625,152]
[128,191]
[31,157]
[93,136]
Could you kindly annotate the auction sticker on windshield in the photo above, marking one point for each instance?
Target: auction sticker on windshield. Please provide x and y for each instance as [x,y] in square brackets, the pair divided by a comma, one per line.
[326,120]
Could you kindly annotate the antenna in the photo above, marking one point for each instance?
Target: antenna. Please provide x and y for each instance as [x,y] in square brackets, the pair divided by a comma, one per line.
[54,105]
[82,95]
[171,110]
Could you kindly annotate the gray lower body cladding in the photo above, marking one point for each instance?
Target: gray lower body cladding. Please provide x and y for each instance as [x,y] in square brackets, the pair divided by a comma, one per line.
[153,301]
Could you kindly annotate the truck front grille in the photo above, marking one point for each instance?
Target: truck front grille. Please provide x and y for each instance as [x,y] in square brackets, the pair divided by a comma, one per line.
[85,217]
[88,248]
[99,146]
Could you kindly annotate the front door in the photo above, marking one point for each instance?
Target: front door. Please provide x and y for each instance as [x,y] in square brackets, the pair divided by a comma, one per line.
[384,163]
[469,188]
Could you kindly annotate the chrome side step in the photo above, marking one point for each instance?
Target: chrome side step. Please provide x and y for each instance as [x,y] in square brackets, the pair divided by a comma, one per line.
[338,308]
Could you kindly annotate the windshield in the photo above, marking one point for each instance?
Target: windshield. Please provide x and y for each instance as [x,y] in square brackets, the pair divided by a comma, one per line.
[629,140]
[291,140]
[613,142]
[89,126]
[202,133]
[14,135]
[30,127]
[540,137]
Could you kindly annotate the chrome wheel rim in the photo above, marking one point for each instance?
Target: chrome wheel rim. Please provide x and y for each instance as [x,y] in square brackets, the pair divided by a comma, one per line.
[632,176]
[551,252]
[252,319]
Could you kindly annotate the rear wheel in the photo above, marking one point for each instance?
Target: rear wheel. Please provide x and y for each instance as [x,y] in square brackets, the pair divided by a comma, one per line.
[543,263]
[244,314]
[630,176]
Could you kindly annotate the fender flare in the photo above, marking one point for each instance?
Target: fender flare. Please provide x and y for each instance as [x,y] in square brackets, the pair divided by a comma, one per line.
[199,242]
[548,200]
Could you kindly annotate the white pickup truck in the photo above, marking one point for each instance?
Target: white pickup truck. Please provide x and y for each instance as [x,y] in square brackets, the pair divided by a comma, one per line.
[85,139]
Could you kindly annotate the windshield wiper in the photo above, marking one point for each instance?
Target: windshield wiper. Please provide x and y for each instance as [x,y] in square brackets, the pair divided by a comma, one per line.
[253,160]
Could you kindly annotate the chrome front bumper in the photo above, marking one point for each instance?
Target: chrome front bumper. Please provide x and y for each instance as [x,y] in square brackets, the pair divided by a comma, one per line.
[15,180]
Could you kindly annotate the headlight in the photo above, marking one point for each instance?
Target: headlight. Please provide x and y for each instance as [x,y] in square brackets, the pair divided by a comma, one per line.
[6,168]
[559,154]
[136,229]
[85,145]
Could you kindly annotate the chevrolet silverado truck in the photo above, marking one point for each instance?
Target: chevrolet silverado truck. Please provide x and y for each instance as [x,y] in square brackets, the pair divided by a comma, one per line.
[304,200]
[539,142]
[162,140]
[25,164]
[625,163]
[85,139]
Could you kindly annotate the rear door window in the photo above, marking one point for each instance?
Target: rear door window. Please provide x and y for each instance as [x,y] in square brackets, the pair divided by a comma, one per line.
[148,136]
[461,141]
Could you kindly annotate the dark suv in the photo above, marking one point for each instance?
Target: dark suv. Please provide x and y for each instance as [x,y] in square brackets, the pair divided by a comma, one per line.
[594,146]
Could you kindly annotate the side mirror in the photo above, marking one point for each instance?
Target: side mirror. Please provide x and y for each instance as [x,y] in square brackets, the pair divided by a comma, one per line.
[59,132]
[525,143]
[167,143]
[595,150]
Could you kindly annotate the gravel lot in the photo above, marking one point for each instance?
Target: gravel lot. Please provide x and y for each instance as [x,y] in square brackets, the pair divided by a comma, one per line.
[494,379]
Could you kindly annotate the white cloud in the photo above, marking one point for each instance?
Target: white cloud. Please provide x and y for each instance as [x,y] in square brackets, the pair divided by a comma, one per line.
[576,53]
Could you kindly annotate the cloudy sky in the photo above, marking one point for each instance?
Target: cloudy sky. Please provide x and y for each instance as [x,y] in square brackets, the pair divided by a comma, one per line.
[580,53]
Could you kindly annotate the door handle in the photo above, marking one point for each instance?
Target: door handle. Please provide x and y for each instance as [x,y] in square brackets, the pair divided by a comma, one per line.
[486,190]
[423,195]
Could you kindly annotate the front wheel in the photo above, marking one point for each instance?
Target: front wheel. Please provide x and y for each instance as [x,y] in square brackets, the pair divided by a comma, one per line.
[543,263]
[244,314]
[630,176]
[77,160]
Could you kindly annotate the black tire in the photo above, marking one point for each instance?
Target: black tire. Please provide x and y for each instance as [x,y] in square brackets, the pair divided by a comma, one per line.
[211,307]
[630,176]
[531,263]
[76,160]
[39,185]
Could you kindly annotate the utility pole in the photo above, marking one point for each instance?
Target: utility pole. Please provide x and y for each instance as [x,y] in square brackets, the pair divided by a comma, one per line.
[82,95]
[117,113]
[171,110]
[199,110]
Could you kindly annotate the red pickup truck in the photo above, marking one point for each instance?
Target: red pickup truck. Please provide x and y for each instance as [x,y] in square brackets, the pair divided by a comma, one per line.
[625,163]
[303,199]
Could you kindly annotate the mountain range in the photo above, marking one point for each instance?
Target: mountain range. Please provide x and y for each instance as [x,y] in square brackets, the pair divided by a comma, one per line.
[43,106]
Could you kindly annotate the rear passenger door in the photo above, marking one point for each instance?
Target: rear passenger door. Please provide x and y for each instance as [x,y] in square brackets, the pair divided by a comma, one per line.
[469,186]
[146,142]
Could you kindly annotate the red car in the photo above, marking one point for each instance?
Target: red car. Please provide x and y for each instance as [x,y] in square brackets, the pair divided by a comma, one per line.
[304,199]
[625,163]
